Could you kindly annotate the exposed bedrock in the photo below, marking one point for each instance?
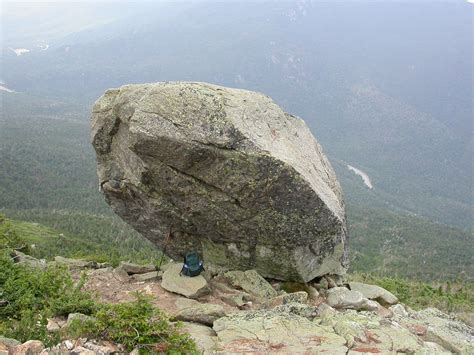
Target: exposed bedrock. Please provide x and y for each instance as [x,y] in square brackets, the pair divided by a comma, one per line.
[227,171]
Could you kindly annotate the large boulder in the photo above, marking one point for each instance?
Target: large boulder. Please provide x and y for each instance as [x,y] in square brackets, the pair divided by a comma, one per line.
[193,311]
[227,172]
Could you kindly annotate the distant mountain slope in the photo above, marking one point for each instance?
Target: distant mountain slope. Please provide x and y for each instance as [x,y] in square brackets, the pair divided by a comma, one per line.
[81,235]
[389,98]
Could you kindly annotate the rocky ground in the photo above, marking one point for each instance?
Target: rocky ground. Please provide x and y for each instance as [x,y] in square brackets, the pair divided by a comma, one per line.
[241,312]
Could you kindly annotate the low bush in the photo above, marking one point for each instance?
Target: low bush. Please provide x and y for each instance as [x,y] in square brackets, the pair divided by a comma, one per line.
[34,295]
[136,324]
[9,238]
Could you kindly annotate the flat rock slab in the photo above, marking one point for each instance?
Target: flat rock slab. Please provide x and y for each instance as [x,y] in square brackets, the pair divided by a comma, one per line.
[238,179]
[374,292]
[442,329]
[192,311]
[137,269]
[366,332]
[279,331]
[148,276]
[191,287]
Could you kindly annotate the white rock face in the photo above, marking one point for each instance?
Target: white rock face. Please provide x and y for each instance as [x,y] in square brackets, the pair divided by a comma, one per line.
[228,171]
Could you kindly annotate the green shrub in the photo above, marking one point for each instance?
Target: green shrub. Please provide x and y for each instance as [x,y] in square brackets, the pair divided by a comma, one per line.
[136,324]
[9,238]
[33,295]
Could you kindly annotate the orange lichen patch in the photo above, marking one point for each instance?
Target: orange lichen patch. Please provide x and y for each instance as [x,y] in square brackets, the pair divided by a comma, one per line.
[417,329]
[246,345]
[371,337]
[278,346]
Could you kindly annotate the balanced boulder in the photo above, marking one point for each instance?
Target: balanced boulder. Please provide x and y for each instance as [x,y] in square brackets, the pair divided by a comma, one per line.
[225,172]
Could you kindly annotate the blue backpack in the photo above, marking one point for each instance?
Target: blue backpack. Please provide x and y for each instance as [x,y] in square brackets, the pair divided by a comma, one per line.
[193,265]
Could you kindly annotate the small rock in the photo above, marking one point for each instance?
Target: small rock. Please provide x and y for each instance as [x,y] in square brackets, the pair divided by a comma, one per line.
[55,324]
[7,344]
[374,292]
[236,300]
[251,282]
[220,284]
[300,309]
[148,276]
[312,292]
[417,329]
[371,306]
[80,350]
[78,317]
[9,341]
[326,311]
[322,285]
[294,297]
[399,310]
[68,344]
[190,287]
[331,282]
[75,263]
[100,349]
[193,311]
[22,258]
[120,274]
[341,297]
[204,337]
[31,346]
[104,265]
[383,312]
[137,269]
